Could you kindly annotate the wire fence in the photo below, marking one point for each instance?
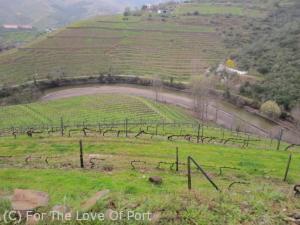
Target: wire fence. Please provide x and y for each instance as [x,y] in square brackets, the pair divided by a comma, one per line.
[172,131]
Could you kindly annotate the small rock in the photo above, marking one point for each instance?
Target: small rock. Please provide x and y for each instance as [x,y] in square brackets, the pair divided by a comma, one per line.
[32,221]
[133,205]
[295,215]
[155,217]
[61,209]
[155,180]
[109,214]
[87,205]
[27,200]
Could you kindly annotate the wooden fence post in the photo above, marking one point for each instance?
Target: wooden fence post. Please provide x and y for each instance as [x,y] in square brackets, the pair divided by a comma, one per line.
[189,173]
[287,168]
[198,135]
[177,160]
[81,154]
[202,133]
[126,127]
[279,139]
[62,126]
[190,159]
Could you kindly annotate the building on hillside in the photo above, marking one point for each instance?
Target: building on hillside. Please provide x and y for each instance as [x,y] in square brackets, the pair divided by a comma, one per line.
[222,68]
[11,26]
[16,26]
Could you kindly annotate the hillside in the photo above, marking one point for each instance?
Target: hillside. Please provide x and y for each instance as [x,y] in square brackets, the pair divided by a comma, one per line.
[173,44]
[250,179]
[271,46]
[56,13]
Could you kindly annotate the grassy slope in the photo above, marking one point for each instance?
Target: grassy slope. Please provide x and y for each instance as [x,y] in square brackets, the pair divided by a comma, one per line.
[90,109]
[179,47]
[262,169]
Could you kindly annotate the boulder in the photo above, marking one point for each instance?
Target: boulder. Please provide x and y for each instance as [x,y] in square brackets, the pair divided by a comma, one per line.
[27,200]
[155,180]
[87,205]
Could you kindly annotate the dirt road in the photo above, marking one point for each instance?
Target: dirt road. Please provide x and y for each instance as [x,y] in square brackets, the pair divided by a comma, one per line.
[228,119]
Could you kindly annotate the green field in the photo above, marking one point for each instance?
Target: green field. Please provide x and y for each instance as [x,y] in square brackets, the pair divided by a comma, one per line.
[265,196]
[90,109]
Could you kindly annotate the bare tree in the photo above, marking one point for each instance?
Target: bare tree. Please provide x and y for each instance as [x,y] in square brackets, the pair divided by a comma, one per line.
[157,86]
[200,86]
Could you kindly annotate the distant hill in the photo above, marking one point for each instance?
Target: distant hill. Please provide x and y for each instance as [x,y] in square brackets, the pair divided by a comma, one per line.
[56,13]
[175,43]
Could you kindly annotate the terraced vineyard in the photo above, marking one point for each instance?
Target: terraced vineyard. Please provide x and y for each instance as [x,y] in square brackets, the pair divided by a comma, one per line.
[90,109]
[216,9]
[177,46]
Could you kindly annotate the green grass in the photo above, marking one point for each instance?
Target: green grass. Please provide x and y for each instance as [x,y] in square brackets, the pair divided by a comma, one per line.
[90,110]
[265,196]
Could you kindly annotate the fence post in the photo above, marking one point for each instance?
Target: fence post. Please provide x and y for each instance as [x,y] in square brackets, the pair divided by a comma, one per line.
[189,173]
[81,154]
[126,127]
[198,135]
[279,139]
[287,168]
[177,160]
[62,126]
[202,133]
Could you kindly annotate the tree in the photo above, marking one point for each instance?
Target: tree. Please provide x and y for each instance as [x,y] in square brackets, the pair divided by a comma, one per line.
[200,86]
[144,7]
[271,109]
[296,114]
[127,11]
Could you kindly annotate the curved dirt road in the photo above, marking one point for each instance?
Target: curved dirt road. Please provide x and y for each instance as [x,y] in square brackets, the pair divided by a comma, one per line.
[220,116]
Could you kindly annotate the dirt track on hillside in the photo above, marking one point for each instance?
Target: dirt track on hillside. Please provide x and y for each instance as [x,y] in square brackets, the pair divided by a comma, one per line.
[223,118]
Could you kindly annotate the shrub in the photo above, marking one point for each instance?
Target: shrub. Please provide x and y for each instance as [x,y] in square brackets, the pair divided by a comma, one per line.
[271,109]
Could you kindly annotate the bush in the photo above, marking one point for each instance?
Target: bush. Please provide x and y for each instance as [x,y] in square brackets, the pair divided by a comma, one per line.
[271,109]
